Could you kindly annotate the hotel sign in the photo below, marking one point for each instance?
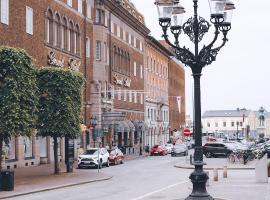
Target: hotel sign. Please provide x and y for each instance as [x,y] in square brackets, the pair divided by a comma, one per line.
[55,62]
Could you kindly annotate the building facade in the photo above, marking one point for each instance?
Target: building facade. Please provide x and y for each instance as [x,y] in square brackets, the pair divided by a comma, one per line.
[54,33]
[177,104]
[156,92]
[230,123]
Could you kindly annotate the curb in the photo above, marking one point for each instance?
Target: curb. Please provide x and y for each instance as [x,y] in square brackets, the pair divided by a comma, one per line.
[56,187]
[218,168]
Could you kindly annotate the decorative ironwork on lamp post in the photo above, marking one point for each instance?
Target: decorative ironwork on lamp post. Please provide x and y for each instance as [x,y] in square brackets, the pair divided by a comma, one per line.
[171,16]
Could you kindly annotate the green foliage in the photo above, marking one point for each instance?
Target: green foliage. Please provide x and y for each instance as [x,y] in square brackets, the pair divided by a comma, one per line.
[60,102]
[18,93]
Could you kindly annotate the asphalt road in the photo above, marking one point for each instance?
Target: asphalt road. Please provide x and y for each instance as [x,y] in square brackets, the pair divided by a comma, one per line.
[156,178]
[134,180]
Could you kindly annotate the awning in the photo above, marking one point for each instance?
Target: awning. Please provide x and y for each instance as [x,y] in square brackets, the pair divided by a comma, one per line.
[118,126]
[140,126]
[131,126]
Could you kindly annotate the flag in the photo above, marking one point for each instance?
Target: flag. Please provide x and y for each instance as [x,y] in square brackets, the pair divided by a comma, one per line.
[179,98]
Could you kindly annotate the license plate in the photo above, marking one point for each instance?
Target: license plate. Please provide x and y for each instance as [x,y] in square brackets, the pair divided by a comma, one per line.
[86,162]
[155,152]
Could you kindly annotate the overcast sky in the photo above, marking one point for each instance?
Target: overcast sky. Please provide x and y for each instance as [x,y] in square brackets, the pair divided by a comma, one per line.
[241,75]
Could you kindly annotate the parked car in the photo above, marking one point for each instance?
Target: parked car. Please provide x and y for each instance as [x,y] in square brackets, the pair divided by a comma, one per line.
[169,147]
[158,150]
[94,157]
[179,149]
[116,156]
[215,148]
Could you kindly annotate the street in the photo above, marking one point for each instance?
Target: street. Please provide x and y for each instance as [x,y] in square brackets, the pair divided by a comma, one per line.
[153,178]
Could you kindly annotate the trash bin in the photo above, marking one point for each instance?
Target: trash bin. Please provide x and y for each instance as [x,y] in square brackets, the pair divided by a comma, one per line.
[6,180]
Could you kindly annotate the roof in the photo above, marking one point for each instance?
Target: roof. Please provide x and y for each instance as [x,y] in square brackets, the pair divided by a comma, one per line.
[226,113]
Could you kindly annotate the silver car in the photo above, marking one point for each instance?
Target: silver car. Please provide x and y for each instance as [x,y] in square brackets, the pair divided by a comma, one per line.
[179,149]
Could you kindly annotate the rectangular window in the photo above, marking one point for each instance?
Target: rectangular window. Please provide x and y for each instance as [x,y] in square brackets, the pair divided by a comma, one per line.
[134,42]
[112,27]
[105,52]
[216,124]
[106,21]
[224,124]
[80,6]
[87,48]
[118,31]
[125,95]
[98,50]
[88,9]
[232,124]
[241,123]
[141,71]
[98,16]
[208,124]
[135,97]
[141,98]
[124,35]
[29,20]
[68,40]
[130,96]
[4,11]
[141,46]
[69,2]
[135,69]
[129,39]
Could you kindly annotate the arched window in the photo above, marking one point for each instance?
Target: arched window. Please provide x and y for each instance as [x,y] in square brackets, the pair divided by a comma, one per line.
[49,27]
[128,64]
[64,34]
[118,59]
[121,61]
[71,37]
[57,35]
[77,40]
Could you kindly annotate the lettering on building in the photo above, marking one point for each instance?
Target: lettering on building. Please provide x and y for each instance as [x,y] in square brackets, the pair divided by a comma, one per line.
[55,62]
[74,64]
[127,82]
[117,80]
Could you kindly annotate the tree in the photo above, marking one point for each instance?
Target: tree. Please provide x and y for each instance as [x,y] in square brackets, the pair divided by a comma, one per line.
[18,95]
[60,102]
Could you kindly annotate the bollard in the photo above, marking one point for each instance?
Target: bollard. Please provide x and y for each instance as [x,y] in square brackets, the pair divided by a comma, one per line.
[207,183]
[191,161]
[225,172]
[215,174]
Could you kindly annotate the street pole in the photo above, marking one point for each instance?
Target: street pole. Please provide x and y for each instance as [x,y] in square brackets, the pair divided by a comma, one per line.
[195,28]
[237,124]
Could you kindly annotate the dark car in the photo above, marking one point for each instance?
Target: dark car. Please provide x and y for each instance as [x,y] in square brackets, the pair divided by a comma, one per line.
[116,156]
[217,149]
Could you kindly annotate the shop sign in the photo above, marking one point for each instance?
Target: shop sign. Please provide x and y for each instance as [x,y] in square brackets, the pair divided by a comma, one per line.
[74,64]
[127,82]
[55,62]
[117,80]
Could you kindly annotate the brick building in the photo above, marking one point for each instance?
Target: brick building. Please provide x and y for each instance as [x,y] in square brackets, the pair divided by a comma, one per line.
[118,97]
[55,33]
[156,89]
[177,93]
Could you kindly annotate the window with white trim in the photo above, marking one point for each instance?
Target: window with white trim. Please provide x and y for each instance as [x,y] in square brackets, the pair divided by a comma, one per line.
[135,97]
[130,96]
[125,95]
[29,20]
[88,9]
[118,31]
[80,6]
[106,21]
[69,3]
[4,11]
[141,71]
[142,99]
[98,50]
[87,47]
[135,69]
[134,42]
[129,39]
[141,46]
[124,35]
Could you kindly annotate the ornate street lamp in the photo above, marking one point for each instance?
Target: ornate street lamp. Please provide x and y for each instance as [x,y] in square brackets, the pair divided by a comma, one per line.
[170,16]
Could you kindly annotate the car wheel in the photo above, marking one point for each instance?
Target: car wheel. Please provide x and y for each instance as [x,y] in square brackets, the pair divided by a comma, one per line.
[108,163]
[122,162]
[208,155]
[115,162]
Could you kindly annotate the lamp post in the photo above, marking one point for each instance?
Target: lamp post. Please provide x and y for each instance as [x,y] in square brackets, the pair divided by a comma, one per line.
[237,124]
[93,123]
[170,16]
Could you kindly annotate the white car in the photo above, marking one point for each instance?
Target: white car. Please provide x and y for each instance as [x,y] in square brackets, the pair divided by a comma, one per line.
[94,157]
[169,147]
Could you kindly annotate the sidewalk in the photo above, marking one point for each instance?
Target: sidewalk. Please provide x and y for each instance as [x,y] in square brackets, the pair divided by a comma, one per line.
[41,178]
[219,163]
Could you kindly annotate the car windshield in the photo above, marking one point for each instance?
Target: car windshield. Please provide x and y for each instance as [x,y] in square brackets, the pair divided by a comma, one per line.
[113,152]
[91,152]
[180,146]
[156,146]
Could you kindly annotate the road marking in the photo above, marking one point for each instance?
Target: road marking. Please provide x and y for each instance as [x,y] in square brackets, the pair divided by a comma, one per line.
[160,190]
